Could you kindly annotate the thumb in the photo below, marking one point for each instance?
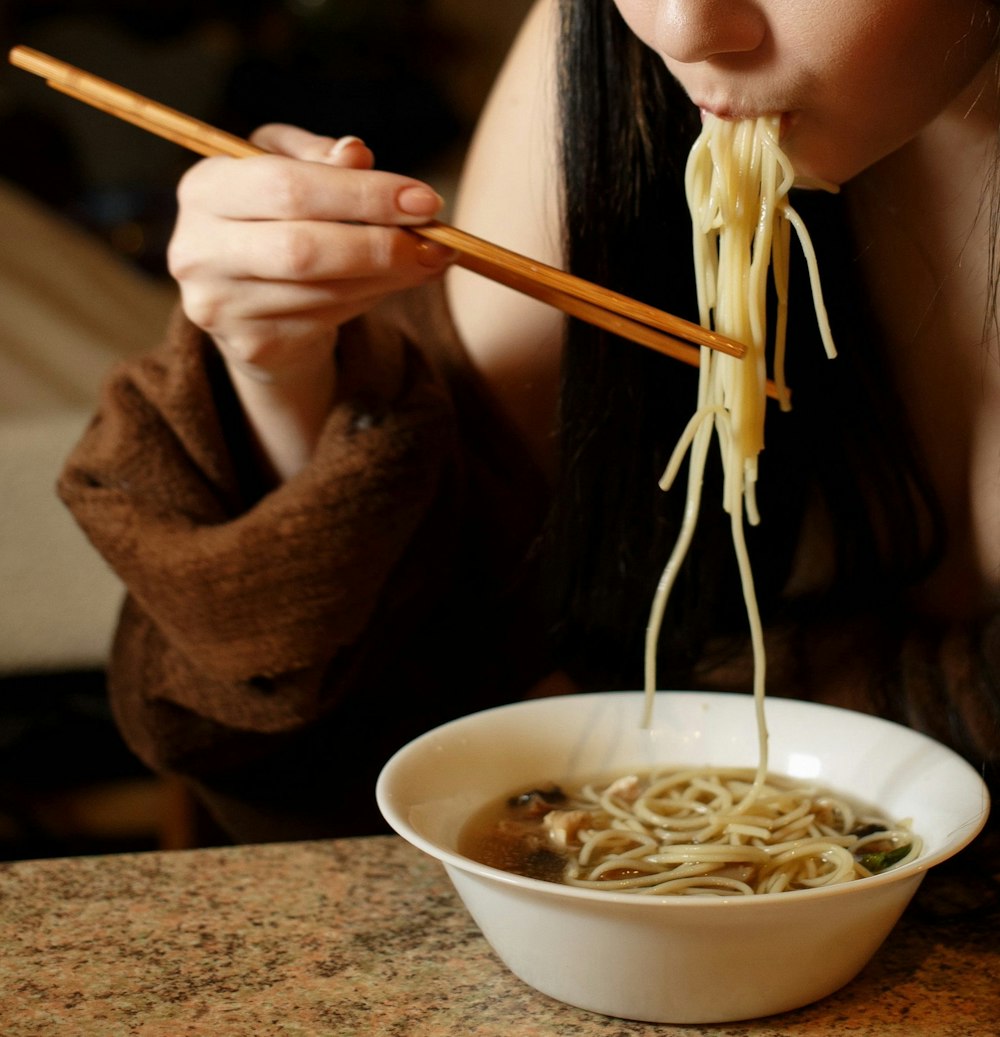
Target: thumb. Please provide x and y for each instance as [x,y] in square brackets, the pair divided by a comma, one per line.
[348,152]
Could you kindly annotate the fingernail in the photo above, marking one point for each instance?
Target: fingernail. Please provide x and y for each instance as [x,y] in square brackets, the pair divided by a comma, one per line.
[419,201]
[432,254]
[342,144]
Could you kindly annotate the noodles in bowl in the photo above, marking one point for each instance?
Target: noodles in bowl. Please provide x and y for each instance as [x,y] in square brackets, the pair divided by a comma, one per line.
[688,833]
[681,959]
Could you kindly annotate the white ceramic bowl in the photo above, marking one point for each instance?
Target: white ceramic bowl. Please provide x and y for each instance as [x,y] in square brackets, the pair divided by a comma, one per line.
[678,959]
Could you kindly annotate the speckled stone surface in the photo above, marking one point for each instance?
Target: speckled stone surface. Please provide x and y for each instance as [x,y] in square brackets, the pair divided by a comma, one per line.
[366,937]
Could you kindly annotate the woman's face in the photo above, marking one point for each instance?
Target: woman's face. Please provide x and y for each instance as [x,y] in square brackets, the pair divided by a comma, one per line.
[852,79]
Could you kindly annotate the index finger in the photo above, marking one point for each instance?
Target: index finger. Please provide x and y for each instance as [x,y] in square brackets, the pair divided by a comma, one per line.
[273,187]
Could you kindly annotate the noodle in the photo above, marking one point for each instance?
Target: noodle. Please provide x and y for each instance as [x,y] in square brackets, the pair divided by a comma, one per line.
[691,832]
[737,183]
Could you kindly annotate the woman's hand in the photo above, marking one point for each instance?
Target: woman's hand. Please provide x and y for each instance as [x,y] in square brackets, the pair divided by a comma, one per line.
[274,253]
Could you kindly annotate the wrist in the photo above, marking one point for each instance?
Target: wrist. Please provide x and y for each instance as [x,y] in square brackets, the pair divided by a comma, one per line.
[286,407]
[317,361]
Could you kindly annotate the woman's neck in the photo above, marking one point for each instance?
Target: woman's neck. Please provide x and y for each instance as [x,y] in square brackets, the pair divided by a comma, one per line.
[922,222]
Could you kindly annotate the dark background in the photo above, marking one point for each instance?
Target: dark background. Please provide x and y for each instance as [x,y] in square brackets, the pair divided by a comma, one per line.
[405,75]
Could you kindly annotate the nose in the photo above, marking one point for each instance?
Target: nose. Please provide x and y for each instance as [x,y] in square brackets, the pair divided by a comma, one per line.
[697,30]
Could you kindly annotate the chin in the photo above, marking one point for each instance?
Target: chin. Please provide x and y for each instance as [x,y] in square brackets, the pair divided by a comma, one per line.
[834,160]
[826,166]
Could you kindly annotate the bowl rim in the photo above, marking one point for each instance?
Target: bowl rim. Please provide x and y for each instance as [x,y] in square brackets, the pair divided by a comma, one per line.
[914,869]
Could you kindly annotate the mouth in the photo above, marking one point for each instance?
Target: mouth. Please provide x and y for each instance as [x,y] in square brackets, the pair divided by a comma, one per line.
[732,114]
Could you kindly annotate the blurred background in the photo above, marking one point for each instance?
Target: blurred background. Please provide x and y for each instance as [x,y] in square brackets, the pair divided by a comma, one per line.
[87,206]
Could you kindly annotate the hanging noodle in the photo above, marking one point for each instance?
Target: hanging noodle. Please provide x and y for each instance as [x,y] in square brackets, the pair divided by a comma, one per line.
[737,183]
[713,830]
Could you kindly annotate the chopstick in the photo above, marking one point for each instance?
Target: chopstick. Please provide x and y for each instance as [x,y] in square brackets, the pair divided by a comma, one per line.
[616,313]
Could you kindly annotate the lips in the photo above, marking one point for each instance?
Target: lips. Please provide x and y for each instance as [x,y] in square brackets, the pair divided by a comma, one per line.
[733,113]
[721,112]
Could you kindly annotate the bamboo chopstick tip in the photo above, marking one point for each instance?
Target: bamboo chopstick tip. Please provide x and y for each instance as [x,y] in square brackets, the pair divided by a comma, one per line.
[28,59]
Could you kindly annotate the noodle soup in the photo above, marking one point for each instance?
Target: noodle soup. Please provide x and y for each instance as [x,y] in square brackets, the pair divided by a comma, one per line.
[678,959]
[715,831]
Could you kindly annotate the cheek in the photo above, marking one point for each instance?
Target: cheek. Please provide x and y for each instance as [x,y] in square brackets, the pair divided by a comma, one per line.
[878,86]
[918,54]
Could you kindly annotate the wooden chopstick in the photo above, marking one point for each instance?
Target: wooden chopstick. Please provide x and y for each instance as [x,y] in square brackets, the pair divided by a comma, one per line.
[617,313]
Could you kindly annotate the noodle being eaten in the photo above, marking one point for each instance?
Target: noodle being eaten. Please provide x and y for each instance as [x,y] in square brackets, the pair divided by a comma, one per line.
[737,183]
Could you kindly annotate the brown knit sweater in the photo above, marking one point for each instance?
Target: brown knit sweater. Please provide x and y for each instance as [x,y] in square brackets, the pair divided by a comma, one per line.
[276,646]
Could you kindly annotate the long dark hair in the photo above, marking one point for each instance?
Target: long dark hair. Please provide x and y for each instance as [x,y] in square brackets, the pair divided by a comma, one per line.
[627,129]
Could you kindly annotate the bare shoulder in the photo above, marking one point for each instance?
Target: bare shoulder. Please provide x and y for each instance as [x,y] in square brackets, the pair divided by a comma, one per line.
[510,194]
[510,177]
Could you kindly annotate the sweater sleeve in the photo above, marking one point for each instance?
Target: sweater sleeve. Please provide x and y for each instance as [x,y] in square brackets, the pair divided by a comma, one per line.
[253,595]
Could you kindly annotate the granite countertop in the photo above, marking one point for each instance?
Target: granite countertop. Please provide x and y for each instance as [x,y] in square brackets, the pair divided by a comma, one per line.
[365,937]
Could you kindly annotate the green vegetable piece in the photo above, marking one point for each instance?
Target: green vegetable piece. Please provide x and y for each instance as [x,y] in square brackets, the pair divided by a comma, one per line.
[882,859]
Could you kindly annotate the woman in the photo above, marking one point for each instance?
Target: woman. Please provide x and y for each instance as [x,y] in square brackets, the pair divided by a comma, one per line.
[341,523]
